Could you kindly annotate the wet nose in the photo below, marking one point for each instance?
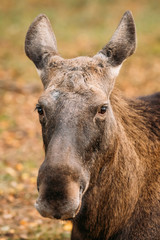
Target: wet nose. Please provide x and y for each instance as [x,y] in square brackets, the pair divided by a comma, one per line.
[61,203]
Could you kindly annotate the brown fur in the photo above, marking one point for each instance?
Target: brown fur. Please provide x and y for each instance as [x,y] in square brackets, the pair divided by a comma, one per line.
[102,151]
[126,196]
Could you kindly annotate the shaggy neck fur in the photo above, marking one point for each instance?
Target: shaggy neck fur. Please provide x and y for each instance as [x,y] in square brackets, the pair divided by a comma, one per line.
[123,181]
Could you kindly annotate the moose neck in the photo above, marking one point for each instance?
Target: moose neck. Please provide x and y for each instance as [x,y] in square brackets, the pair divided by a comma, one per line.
[119,177]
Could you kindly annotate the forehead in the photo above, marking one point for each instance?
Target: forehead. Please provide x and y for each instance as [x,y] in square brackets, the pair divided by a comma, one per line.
[83,76]
[82,63]
[76,75]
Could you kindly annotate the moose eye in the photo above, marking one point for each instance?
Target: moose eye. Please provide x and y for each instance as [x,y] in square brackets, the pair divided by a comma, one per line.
[39,109]
[103,109]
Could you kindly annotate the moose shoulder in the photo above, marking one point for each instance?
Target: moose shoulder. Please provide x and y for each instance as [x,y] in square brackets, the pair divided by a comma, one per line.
[102,151]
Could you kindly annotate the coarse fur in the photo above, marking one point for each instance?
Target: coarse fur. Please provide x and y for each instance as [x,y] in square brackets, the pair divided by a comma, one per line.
[102,150]
[126,203]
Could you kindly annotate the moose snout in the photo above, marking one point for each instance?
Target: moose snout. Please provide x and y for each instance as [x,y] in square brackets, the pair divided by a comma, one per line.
[60,194]
[60,204]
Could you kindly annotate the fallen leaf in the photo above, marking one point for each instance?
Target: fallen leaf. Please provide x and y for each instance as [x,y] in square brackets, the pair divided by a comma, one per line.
[12,231]
[67,226]
[23,236]
[19,167]
[23,222]
[5,228]
[25,176]
[7,216]
[11,171]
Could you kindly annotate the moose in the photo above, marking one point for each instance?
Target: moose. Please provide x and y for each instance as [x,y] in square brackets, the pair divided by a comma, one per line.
[102,150]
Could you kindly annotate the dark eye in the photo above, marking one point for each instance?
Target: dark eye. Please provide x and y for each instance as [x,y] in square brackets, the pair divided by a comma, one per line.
[39,109]
[109,53]
[103,109]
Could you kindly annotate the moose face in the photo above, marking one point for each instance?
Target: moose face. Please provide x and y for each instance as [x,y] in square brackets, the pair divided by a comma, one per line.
[75,113]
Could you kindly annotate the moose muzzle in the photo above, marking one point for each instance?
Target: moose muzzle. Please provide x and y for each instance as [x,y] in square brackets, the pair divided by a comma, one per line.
[61,189]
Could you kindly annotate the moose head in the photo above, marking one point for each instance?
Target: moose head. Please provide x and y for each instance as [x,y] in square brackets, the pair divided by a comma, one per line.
[76,114]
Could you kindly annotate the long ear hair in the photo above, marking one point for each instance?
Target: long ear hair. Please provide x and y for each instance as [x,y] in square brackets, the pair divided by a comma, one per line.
[122,43]
[40,41]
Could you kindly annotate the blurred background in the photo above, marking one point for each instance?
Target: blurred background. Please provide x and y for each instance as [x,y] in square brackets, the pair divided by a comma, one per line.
[82,27]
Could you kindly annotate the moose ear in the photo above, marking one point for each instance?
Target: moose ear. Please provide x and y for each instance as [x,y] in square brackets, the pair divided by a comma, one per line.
[40,41]
[122,43]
